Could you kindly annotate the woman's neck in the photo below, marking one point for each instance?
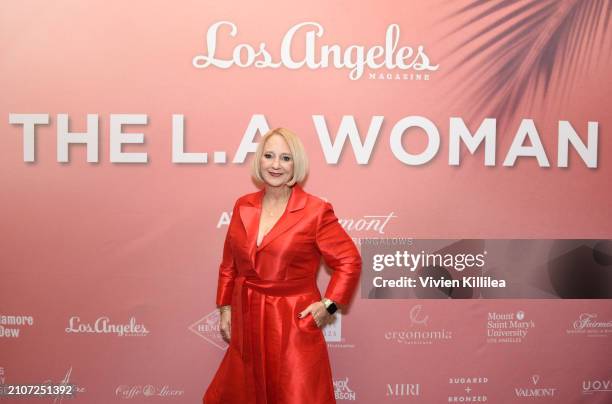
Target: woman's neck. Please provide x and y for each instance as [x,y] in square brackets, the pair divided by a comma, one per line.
[277,194]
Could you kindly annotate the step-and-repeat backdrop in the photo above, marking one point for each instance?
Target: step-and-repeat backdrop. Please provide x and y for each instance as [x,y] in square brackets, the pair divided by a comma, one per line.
[473,132]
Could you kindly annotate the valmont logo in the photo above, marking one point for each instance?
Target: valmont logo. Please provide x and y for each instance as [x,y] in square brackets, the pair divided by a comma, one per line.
[317,56]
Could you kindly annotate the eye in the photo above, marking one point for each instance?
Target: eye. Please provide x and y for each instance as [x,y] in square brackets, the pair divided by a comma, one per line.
[268,155]
[287,158]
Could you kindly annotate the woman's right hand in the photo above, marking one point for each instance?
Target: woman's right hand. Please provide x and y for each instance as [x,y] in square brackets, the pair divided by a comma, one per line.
[225,324]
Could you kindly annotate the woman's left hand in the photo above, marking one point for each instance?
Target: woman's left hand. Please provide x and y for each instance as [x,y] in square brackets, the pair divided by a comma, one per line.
[318,312]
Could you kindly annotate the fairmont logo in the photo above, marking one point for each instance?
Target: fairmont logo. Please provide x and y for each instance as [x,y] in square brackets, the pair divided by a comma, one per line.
[369,223]
[588,324]
[316,56]
[103,325]
[372,223]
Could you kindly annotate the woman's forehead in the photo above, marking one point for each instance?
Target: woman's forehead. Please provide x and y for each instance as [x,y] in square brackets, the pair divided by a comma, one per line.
[276,142]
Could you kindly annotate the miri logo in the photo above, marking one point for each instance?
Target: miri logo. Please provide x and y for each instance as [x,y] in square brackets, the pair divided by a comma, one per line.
[388,57]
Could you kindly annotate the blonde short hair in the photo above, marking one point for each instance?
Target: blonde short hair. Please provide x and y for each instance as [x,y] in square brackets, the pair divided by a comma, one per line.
[300,160]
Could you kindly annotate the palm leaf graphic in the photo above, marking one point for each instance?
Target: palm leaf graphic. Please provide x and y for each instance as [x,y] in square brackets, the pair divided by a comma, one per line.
[527,46]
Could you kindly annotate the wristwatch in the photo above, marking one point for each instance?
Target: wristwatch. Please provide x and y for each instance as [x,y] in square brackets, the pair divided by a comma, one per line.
[330,306]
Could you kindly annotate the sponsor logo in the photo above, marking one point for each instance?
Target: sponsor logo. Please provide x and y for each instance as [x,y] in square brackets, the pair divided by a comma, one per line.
[146,390]
[371,223]
[469,384]
[535,389]
[508,327]
[333,330]
[11,324]
[333,333]
[103,325]
[596,386]
[590,325]
[419,332]
[342,391]
[208,328]
[381,61]
[403,390]
[65,381]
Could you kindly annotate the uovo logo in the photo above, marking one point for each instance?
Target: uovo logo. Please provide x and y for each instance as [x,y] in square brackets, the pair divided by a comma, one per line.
[354,57]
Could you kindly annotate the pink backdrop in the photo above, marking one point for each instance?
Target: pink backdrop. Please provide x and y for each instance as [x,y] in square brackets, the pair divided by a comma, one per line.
[140,243]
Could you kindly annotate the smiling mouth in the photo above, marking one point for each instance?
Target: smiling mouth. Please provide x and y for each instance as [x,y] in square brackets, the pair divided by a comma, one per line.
[275,174]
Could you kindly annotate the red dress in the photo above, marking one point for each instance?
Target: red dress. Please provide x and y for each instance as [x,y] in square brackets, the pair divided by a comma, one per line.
[274,357]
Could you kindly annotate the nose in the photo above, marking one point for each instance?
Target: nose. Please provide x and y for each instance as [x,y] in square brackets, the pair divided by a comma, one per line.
[276,163]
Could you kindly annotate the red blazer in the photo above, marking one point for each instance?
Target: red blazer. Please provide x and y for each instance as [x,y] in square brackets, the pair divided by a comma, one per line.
[307,230]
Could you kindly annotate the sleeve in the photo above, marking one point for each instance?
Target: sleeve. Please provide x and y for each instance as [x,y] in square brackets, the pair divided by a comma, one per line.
[227,268]
[340,254]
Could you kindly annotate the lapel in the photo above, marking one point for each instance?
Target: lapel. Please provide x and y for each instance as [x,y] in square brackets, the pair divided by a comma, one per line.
[250,213]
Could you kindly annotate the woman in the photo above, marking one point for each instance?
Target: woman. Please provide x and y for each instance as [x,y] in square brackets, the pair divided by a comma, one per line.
[271,308]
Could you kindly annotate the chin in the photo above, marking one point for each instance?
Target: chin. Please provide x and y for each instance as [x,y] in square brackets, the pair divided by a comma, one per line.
[276,183]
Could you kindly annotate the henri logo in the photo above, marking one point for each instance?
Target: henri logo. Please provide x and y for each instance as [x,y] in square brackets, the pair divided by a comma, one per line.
[208,328]
[317,56]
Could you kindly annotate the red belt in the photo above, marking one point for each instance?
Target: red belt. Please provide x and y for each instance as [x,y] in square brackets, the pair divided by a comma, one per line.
[240,304]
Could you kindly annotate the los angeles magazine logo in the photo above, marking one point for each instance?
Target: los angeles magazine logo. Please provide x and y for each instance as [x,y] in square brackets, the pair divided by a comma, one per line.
[104,325]
[383,62]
